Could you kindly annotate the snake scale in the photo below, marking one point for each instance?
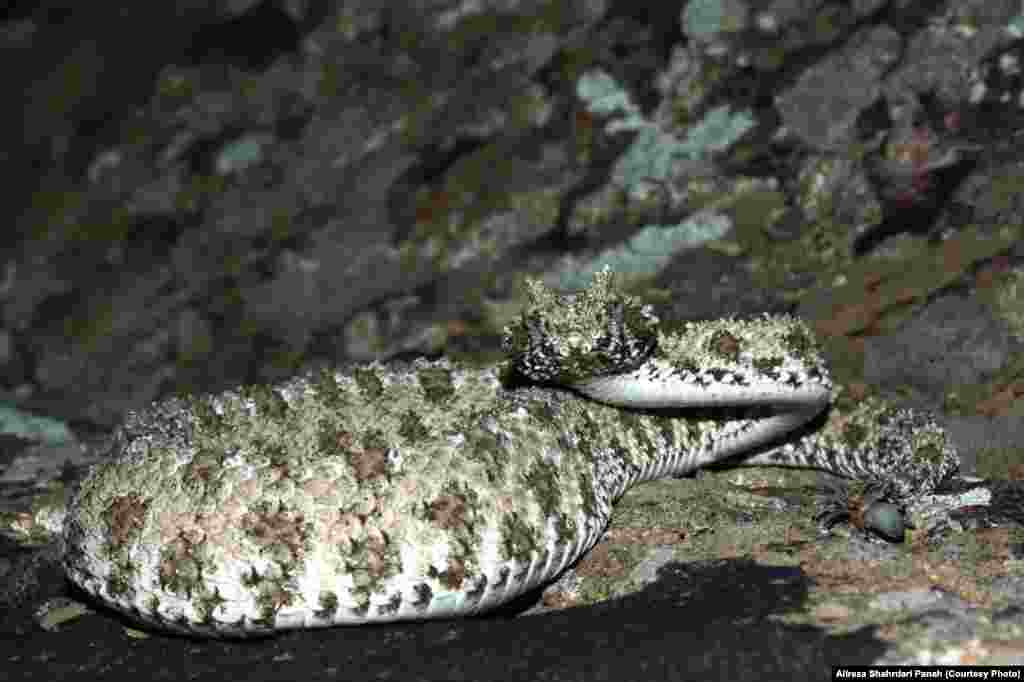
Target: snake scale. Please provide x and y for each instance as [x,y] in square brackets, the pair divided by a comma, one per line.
[431,489]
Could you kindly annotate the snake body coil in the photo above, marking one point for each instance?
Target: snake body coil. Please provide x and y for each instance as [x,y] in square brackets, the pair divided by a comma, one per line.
[432,489]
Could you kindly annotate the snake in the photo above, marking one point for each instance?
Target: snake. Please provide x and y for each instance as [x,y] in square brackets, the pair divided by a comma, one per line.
[381,492]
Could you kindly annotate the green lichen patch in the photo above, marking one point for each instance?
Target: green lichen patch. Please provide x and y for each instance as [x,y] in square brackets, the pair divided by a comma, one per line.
[120,581]
[412,428]
[328,603]
[329,392]
[369,383]
[800,344]
[273,592]
[635,441]
[207,606]
[1000,463]
[180,570]
[544,480]
[265,401]
[519,539]
[437,384]
[486,452]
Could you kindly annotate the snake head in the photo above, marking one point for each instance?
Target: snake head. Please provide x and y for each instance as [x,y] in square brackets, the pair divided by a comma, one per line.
[871,507]
[567,338]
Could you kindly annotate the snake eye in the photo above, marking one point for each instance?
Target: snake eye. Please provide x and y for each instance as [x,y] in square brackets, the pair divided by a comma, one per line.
[885,519]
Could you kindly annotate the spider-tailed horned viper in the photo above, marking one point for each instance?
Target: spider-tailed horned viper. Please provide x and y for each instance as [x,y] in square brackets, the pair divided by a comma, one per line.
[431,489]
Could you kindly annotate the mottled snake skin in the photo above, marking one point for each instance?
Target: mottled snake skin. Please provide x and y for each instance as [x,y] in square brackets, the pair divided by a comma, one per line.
[401,491]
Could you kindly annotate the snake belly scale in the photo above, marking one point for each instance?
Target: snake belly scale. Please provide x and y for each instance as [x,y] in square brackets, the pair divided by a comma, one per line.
[432,489]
